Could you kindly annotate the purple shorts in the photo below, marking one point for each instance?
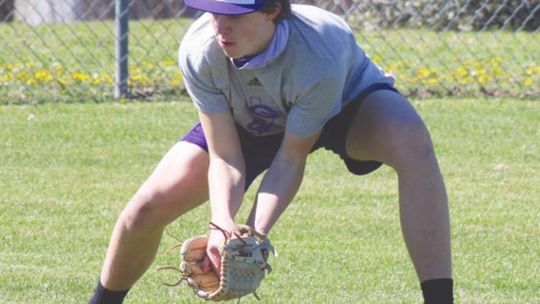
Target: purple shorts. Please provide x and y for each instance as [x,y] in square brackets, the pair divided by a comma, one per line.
[259,151]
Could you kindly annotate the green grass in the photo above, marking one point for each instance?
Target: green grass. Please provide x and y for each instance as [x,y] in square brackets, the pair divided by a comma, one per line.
[452,63]
[75,62]
[68,169]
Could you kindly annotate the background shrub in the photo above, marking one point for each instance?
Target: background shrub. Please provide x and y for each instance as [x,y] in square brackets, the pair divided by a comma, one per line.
[471,15]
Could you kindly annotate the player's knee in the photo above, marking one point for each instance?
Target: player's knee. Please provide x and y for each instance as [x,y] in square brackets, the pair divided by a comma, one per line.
[142,212]
[408,142]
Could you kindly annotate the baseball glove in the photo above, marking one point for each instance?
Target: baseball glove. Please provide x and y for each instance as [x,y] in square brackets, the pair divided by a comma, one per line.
[243,265]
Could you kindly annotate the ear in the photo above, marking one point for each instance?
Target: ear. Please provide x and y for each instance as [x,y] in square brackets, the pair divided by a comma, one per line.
[272,15]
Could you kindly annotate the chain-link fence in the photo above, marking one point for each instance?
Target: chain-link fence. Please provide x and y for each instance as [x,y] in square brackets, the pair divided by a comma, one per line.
[66,50]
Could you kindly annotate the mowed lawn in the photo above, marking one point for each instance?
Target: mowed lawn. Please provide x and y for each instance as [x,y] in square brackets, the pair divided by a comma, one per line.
[67,170]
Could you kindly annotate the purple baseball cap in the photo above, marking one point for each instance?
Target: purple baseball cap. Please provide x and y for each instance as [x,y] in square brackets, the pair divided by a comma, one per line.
[226,7]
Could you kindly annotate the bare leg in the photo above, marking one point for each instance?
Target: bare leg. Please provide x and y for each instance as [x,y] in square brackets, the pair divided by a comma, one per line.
[177,185]
[388,129]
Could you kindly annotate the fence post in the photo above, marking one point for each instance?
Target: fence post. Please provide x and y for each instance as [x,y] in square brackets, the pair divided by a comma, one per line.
[122,54]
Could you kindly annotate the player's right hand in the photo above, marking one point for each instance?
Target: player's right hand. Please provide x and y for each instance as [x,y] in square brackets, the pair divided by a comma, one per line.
[217,237]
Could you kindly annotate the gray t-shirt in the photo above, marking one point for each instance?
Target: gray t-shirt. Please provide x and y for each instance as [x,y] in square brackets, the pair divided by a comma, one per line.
[320,70]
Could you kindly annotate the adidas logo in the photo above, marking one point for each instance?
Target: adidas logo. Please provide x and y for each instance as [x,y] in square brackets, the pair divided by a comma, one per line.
[254,82]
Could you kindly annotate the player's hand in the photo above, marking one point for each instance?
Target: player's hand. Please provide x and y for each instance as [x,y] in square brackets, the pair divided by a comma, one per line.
[217,237]
[213,257]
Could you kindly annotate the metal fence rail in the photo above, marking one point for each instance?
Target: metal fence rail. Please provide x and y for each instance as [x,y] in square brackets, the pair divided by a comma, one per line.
[73,50]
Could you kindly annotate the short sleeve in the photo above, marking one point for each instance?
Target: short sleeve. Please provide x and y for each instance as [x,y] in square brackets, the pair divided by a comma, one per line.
[198,78]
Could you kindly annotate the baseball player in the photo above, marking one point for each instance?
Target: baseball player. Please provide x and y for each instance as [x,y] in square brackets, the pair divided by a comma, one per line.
[273,82]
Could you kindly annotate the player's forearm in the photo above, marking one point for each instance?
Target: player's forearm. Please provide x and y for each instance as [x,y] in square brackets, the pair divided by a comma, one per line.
[278,188]
[226,189]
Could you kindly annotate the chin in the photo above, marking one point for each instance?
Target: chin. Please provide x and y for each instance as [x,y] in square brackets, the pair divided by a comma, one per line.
[232,55]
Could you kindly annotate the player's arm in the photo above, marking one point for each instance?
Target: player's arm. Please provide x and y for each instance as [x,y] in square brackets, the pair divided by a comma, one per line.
[225,179]
[226,171]
[305,120]
[281,182]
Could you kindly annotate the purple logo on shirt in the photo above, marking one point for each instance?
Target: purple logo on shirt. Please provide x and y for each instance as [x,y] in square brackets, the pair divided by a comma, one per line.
[263,115]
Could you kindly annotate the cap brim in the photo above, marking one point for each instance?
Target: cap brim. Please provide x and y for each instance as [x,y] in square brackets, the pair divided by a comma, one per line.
[222,8]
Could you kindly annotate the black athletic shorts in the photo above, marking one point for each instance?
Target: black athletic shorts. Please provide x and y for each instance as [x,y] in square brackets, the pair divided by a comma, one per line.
[259,151]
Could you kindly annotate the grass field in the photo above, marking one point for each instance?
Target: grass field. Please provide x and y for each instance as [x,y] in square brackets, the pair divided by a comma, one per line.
[66,171]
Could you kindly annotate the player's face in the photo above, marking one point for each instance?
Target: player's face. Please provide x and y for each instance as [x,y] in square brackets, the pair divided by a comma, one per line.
[244,35]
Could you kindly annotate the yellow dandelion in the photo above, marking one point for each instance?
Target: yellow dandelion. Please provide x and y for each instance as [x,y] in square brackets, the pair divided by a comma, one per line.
[424,72]
[483,79]
[135,70]
[528,82]
[6,78]
[478,65]
[8,67]
[168,62]
[80,77]
[496,61]
[22,75]
[393,66]
[139,79]
[461,72]
[466,80]
[43,76]
[177,79]
[377,59]
[432,81]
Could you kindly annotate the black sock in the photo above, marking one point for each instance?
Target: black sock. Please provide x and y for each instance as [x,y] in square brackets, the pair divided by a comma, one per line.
[103,295]
[438,291]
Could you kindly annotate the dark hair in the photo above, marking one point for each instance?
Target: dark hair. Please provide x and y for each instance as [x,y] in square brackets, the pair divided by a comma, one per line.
[270,6]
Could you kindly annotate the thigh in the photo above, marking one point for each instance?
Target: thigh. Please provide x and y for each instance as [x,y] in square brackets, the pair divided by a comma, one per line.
[385,125]
[177,184]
